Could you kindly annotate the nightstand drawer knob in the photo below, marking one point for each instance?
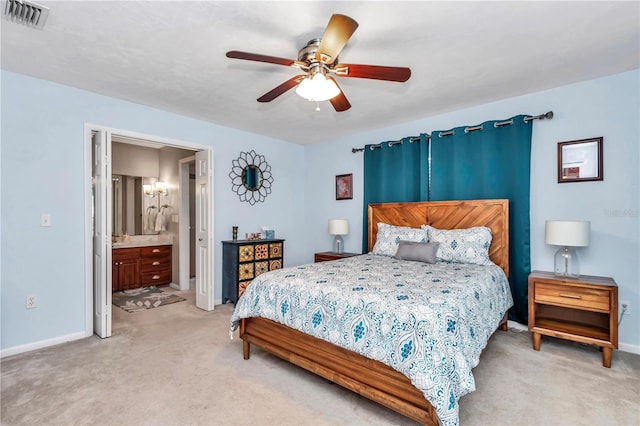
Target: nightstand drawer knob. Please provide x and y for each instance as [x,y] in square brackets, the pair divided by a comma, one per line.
[570,296]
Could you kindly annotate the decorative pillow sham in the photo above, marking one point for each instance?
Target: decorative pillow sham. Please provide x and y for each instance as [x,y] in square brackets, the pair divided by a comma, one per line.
[389,236]
[469,245]
[418,252]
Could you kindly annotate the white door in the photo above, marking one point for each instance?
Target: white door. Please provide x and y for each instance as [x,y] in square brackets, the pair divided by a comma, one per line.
[101,234]
[204,231]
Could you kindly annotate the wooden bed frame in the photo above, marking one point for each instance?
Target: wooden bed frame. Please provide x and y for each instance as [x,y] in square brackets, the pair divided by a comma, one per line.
[373,379]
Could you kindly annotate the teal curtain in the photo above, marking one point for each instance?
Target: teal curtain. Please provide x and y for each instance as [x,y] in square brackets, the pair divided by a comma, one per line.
[395,172]
[493,162]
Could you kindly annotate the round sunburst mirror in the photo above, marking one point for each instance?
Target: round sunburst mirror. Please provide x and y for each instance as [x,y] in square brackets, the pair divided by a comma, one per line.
[251,177]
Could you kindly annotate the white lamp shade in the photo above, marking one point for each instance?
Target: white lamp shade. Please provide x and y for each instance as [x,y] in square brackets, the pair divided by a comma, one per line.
[338,226]
[570,233]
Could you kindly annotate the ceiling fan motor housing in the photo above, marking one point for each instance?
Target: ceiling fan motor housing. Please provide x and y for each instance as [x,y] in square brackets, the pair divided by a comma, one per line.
[308,55]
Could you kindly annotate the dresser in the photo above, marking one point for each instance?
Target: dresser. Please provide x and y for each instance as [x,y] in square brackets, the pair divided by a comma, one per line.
[243,260]
[583,309]
[144,266]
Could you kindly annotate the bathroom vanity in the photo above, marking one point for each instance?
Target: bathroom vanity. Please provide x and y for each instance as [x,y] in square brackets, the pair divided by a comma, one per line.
[141,262]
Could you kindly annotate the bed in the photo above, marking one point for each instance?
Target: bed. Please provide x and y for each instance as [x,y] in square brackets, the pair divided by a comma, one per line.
[361,369]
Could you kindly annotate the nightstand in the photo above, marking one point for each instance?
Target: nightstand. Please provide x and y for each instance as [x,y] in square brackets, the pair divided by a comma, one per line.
[583,309]
[329,255]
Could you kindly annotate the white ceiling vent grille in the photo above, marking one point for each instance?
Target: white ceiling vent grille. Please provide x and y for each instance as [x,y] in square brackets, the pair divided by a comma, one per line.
[26,12]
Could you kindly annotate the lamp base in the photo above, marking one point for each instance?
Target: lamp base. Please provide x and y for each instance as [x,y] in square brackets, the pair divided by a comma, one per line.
[338,244]
[566,263]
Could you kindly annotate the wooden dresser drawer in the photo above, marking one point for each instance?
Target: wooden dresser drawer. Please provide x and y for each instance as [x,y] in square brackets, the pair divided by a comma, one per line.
[592,299]
[155,264]
[155,251]
[155,278]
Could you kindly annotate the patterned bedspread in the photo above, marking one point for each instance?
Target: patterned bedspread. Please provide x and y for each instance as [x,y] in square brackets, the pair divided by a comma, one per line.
[428,321]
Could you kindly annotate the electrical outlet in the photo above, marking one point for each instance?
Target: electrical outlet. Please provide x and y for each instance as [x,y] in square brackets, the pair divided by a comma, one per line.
[626,306]
[31,302]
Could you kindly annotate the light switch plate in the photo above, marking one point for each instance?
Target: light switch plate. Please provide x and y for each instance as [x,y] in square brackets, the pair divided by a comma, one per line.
[45,219]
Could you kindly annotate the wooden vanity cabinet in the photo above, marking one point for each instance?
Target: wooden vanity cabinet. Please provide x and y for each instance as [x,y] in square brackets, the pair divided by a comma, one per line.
[141,267]
[155,265]
[125,269]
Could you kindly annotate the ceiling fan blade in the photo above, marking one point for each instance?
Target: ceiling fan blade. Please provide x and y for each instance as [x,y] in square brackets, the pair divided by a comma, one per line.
[375,72]
[287,85]
[340,102]
[260,58]
[335,37]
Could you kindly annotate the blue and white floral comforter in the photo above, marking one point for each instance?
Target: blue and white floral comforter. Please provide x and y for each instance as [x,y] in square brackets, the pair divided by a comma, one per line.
[428,321]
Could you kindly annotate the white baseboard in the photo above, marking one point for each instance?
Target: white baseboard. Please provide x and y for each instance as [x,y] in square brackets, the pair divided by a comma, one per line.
[42,344]
[624,347]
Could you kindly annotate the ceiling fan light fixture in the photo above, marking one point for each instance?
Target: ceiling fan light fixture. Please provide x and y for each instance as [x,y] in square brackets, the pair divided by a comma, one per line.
[317,88]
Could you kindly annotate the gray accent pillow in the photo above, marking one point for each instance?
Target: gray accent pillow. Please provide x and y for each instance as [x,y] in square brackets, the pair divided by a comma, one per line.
[419,252]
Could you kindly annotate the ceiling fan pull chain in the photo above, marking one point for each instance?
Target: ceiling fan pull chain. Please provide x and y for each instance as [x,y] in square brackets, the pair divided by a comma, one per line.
[317,106]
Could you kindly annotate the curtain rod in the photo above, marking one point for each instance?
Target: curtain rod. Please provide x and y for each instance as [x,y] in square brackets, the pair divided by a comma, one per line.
[548,115]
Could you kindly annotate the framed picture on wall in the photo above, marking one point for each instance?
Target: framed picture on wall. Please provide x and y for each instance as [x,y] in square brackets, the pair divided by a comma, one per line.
[580,160]
[344,187]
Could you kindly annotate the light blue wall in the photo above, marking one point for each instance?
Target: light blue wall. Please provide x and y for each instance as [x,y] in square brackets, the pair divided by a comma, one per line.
[43,172]
[608,107]
[42,158]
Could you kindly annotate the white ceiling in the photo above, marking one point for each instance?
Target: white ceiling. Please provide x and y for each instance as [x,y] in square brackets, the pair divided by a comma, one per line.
[171,55]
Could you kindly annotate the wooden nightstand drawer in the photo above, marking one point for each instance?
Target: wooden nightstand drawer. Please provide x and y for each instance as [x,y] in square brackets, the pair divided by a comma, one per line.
[592,299]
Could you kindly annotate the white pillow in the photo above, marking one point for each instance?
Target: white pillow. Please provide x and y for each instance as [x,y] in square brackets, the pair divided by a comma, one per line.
[469,245]
[389,236]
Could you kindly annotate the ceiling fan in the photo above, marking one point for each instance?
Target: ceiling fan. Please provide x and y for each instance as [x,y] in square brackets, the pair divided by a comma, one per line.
[318,59]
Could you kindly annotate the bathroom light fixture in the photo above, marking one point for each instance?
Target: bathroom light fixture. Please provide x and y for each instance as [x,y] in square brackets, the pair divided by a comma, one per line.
[161,188]
[567,234]
[148,190]
[338,227]
[318,87]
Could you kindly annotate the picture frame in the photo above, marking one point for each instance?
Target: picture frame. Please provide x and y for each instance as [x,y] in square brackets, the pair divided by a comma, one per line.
[344,187]
[580,160]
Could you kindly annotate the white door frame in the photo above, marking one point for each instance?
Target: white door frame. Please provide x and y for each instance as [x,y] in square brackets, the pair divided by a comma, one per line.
[88,232]
[183,226]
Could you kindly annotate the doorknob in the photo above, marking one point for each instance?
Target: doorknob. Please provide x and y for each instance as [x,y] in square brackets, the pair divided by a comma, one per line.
[199,239]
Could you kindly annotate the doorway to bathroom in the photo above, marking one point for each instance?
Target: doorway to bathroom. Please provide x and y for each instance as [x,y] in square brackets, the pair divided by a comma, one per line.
[181,162]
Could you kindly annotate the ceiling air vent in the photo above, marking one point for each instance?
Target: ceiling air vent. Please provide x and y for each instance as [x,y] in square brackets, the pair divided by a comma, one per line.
[26,12]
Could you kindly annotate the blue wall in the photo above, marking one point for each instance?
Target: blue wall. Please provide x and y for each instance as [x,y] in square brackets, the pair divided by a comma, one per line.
[608,107]
[42,160]
[43,172]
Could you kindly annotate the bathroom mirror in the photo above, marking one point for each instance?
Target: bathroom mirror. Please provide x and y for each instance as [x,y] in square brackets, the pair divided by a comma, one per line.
[133,212]
[251,177]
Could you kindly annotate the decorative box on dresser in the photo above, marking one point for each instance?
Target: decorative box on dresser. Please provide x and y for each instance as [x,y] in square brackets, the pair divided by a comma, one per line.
[326,256]
[243,260]
[135,267]
[583,309]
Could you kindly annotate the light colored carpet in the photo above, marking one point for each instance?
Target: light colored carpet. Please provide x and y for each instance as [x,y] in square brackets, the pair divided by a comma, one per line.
[177,366]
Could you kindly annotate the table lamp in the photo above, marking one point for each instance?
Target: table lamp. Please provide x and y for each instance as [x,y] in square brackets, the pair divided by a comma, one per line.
[338,227]
[567,234]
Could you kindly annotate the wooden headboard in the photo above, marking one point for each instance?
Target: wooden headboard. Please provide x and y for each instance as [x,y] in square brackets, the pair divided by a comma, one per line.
[493,214]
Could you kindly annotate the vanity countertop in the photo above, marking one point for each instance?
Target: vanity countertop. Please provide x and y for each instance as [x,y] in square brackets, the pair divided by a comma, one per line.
[140,244]
[142,241]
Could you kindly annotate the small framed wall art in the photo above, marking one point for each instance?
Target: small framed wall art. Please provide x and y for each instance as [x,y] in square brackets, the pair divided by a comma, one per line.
[344,187]
[580,160]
